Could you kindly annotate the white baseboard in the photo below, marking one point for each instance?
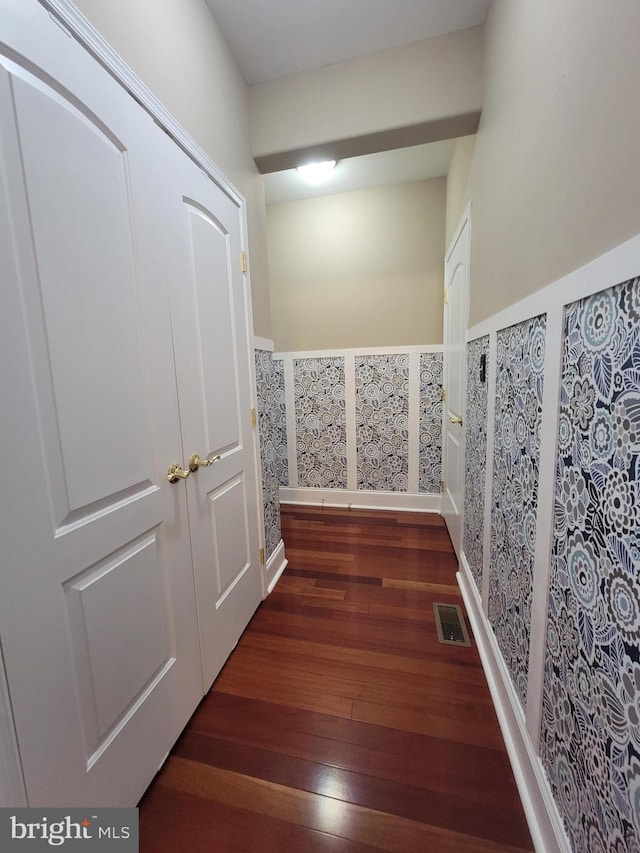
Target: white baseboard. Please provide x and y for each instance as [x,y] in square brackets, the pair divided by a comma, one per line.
[276,564]
[541,812]
[361,500]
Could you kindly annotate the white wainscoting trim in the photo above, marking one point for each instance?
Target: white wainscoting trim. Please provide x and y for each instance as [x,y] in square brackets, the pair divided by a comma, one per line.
[355,351]
[608,270]
[543,818]
[618,265]
[394,501]
[349,355]
[262,343]
[276,564]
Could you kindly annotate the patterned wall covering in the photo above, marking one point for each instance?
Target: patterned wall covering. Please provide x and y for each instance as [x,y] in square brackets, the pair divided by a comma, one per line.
[321,441]
[475,459]
[279,422]
[520,363]
[273,443]
[591,705]
[430,421]
[382,422]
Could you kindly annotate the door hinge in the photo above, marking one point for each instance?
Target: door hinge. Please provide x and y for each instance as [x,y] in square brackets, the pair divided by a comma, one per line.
[261,556]
[446,296]
[442,485]
[243,261]
[253,419]
[444,395]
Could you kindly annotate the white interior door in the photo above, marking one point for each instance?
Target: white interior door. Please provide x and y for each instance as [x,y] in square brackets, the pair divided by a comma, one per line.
[211,311]
[97,604]
[456,314]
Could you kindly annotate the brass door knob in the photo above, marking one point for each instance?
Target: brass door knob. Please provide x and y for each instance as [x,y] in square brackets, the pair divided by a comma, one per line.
[175,473]
[455,419]
[196,462]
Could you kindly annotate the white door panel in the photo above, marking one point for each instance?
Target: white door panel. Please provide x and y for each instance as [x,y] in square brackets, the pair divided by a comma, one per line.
[211,311]
[456,313]
[210,250]
[97,604]
[86,273]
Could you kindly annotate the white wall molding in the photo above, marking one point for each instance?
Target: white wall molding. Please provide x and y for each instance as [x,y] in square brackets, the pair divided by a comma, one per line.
[522,732]
[543,819]
[276,564]
[618,265]
[355,351]
[612,268]
[394,501]
[262,343]
[349,356]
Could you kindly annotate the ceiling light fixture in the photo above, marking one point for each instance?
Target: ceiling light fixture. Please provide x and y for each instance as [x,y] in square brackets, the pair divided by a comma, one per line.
[316,173]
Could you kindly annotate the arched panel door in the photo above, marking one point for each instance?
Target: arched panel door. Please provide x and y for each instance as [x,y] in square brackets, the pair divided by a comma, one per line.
[456,315]
[97,605]
[212,333]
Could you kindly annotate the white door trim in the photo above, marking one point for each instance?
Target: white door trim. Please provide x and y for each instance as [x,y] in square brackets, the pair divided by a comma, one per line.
[84,32]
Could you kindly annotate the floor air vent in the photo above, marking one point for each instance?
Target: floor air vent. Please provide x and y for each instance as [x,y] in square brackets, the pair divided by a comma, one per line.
[450,624]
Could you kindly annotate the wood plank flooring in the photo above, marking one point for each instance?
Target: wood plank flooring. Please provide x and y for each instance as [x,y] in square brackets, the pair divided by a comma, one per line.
[340,723]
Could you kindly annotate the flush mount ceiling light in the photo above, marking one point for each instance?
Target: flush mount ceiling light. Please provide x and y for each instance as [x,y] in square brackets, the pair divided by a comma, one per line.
[316,173]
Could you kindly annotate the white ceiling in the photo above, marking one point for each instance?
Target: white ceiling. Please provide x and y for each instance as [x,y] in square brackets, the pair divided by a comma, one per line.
[417,163]
[274,38]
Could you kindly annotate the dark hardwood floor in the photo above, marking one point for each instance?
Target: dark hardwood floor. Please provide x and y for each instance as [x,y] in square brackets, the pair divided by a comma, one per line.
[340,723]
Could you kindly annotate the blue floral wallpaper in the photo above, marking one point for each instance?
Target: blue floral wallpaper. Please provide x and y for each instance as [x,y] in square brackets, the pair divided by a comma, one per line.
[279,422]
[475,458]
[430,422]
[590,744]
[519,380]
[382,422]
[321,441]
[272,434]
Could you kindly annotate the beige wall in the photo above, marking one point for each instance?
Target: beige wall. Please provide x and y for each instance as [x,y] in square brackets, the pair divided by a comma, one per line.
[425,82]
[176,49]
[555,177]
[358,269]
[457,178]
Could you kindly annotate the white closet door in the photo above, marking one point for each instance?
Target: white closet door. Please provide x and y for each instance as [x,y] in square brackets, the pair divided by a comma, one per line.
[211,326]
[97,605]
[456,315]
